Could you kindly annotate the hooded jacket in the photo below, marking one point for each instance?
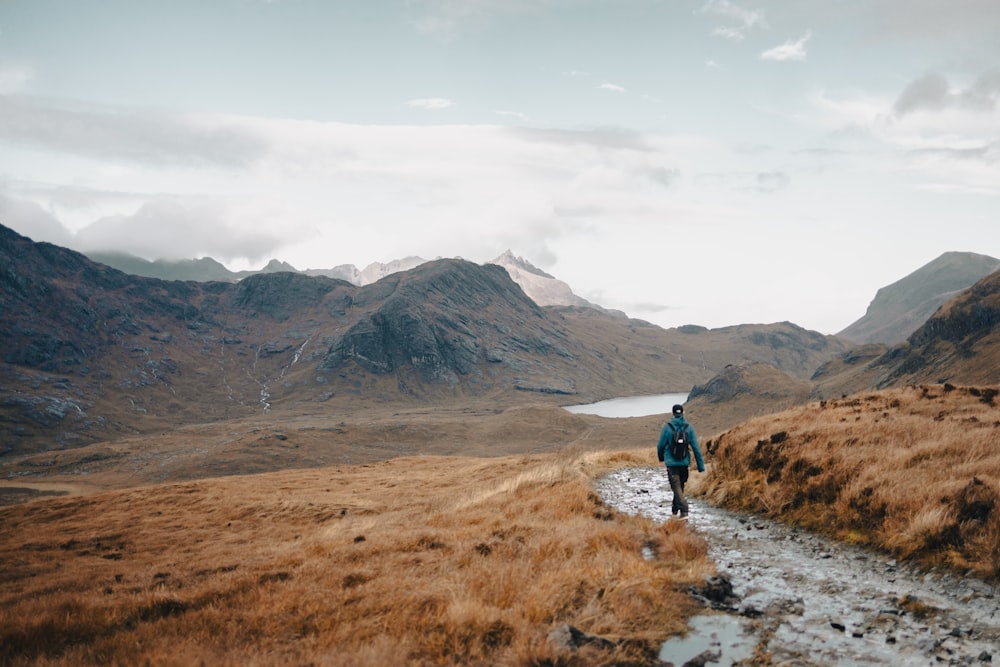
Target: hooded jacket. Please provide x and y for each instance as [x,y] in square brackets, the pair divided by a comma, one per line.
[663,446]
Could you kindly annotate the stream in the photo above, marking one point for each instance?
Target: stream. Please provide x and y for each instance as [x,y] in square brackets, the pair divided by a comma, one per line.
[806,600]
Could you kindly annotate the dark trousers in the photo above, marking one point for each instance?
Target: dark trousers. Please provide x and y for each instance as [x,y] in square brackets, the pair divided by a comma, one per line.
[678,476]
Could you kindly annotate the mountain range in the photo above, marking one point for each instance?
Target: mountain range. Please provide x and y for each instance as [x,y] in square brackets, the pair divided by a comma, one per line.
[544,289]
[92,354]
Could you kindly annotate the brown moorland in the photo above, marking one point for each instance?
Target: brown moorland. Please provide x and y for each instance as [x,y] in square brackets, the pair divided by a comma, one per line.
[282,442]
[415,560]
[913,471]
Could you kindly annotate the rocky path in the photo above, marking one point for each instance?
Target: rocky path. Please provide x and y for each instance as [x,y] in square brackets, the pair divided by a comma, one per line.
[809,601]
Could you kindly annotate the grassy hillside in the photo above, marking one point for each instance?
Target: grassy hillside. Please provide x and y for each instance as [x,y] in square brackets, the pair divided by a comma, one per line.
[421,561]
[912,471]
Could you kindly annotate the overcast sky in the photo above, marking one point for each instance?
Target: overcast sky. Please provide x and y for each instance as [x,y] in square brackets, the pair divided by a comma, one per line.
[686,161]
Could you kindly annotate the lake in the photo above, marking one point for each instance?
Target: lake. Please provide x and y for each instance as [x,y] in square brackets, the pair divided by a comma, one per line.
[630,406]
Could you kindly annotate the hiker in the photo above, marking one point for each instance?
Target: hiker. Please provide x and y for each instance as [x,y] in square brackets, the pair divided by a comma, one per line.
[675,438]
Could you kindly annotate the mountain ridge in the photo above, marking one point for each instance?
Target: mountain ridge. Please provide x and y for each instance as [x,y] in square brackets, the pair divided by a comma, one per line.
[92,353]
[902,307]
[545,289]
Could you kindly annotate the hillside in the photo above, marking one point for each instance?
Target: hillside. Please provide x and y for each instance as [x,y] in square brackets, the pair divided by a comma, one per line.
[416,561]
[914,471]
[93,354]
[900,308]
[959,344]
[741,392]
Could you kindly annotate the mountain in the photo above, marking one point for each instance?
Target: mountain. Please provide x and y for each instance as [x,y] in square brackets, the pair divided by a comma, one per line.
[207,269]
[91,353]
[545,290]
[376,271]
[958,344]
[203,270]
[900,308]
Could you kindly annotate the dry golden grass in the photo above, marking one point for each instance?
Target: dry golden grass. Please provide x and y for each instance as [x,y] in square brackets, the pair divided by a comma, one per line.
[914,471]
[418,561]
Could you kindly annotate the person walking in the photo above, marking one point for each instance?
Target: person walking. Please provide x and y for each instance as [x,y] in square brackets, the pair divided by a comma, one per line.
[677,440]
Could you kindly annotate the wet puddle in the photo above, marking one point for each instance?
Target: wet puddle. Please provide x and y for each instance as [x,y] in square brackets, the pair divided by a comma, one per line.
[806,600]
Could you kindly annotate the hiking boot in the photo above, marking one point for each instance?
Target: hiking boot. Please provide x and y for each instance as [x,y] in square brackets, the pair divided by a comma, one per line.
[674,510]
[684,515]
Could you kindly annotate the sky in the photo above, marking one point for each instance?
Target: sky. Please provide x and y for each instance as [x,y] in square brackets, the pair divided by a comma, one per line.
[708,162]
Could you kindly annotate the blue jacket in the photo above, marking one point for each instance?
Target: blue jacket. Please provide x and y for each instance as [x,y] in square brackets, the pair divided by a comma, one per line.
[663,446]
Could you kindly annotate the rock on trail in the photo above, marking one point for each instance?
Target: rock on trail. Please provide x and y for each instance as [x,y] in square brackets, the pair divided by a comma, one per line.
[805,600]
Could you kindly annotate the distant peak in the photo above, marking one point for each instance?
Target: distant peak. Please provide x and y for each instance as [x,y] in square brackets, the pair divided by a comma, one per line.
[275,266]
[508,259]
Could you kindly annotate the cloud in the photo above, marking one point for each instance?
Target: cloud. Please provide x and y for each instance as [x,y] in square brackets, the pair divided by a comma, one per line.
[745,19]
[930,91]
[32,220]
[14,79]
[772,181]
[933,92]
[606,138]
[989,153]
[734,34]
[513,114]
[984,93]
[169,228]
[614,88]
[143,136]
[967,20]
[446,18]
[431,103]
[662,175]
[789,50]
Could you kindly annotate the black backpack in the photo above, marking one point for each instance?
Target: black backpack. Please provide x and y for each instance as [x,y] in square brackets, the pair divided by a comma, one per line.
[679,443]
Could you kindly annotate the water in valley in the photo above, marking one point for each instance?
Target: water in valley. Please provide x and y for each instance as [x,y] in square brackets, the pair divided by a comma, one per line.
[630,406]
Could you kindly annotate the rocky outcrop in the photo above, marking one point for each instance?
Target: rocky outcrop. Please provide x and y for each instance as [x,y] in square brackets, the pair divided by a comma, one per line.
[279,295]
[751,380]
[742,391]
[436,320]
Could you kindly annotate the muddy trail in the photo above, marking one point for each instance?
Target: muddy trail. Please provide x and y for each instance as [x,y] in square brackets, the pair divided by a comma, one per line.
[805,600]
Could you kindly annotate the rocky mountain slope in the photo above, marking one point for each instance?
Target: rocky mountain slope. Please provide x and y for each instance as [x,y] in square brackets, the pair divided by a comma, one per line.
[900,308]
[959,344]
[90,353]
